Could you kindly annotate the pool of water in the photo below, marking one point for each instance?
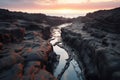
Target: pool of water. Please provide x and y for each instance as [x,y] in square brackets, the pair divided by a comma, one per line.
[68,68]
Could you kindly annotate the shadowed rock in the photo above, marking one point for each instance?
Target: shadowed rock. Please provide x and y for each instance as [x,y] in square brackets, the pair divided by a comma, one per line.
[14,73]
[8,35]
[96,38]
[10,60]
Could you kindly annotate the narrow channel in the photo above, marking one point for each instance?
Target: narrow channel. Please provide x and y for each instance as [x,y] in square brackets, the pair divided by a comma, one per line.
[68,68]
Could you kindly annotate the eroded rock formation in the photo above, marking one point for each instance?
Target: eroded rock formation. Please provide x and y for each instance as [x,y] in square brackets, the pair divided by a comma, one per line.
[24,55]
[96,38]
[25,50]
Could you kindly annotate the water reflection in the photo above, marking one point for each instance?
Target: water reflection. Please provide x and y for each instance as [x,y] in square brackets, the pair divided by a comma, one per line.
[68,68]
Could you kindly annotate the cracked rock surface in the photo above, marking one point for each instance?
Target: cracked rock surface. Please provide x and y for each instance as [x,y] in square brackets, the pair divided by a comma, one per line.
[96,38]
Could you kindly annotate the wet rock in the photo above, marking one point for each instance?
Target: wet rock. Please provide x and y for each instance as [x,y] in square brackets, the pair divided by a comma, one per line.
[97,43]
[36,54]
[43,75]
[27,53]
[35,70]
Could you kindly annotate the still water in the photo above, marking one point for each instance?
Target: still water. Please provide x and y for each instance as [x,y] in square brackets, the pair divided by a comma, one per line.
[68,68]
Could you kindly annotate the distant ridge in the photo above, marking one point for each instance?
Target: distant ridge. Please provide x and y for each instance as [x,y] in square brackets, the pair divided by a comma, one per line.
[6,15]
[108,20]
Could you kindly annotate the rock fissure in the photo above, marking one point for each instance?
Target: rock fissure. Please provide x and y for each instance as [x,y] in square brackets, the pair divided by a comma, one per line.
[97,43]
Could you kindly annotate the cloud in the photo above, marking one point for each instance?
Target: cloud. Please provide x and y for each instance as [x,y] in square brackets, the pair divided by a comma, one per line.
[19,3]
[15,3]
[58,4]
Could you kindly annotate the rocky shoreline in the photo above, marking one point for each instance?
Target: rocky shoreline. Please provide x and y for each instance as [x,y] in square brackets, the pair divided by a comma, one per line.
[25,49]
[25,55]
[96,38]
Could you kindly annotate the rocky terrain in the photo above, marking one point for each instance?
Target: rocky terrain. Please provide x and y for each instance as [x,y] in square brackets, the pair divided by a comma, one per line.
[96,38]
[6,15]
[25,50]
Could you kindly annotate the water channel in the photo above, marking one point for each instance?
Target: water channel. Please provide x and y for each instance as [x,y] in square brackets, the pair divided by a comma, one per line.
[68,67]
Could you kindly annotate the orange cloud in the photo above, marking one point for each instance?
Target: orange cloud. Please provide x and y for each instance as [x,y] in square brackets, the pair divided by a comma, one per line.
[41,5]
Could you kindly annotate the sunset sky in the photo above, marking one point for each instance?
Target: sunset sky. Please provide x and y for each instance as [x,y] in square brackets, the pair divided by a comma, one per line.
[58,6]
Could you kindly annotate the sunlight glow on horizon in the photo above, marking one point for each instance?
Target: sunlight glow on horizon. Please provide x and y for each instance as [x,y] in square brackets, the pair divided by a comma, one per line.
[57,11]
[59,6]
[68,13]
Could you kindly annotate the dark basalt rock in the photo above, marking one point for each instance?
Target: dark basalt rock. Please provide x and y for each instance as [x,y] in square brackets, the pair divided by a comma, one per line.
[25,50]
[10,34]
[10,60]
[1,45]
[97,43]
[108,20]
[26,54]
[29,60]
[14,73]
[32,26]
[9,16]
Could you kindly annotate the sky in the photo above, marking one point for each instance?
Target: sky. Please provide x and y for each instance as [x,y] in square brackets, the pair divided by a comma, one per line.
[58,6]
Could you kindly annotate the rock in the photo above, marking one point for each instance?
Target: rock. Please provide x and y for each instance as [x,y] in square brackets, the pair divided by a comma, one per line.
[98,34]
[10,16]
[14,73]
[32,67]
[44,75]
[46,47]
[39,56]
[97,43]
[29,25]
[108,62]
[8,35]
[104,20]
[41,75]
[34,70]
[29,36]
[1,46]
[116,75]
[19,49]
[27,53]
[10,60]
[17,34]
[46,32]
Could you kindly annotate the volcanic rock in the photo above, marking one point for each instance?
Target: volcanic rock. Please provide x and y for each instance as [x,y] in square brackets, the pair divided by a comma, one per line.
[96,38]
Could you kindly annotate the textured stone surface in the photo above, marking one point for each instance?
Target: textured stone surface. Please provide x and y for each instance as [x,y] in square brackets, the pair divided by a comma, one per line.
[107,20]
[11,34]
[25,54]
[98,46]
